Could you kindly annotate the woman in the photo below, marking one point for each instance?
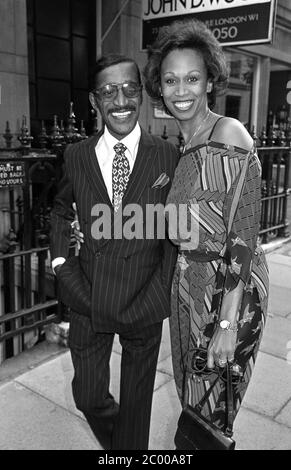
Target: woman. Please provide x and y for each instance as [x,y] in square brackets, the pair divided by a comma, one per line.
[220,287]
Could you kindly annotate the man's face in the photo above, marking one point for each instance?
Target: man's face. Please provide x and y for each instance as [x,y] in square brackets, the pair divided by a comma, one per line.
[120,113]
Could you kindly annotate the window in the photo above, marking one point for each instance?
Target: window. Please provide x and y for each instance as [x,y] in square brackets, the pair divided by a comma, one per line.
[61,48]
[237,101]
[232,106]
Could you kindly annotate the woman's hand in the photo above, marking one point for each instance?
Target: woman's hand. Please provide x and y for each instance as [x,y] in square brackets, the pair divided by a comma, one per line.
[79,236]
[221,347]
[223,342]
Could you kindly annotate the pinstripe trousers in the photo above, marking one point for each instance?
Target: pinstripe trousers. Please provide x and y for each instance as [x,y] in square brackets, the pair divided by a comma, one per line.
[125,426]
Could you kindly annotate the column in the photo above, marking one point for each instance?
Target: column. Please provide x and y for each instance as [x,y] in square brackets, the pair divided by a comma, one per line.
[14,99]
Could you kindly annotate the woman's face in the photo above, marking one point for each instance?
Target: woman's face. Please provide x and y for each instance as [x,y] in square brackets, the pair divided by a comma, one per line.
[184,84]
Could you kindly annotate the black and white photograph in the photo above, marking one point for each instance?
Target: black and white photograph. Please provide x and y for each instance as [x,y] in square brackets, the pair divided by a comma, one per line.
[145,228]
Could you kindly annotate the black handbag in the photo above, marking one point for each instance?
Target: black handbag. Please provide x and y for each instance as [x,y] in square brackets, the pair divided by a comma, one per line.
[195,432]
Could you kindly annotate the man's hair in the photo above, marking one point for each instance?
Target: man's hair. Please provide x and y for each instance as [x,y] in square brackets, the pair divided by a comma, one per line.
[107,61]
[186,34]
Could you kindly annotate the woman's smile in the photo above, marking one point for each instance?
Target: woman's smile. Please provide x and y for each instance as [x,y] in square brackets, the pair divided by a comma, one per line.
[183,105]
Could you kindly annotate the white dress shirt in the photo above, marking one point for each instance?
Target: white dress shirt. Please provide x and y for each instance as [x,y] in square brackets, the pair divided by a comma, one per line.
[105,154]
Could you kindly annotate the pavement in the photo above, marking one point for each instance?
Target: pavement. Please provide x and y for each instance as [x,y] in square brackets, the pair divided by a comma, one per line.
[38,411]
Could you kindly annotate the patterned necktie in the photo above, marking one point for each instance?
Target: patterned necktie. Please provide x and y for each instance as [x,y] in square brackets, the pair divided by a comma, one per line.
[120,174]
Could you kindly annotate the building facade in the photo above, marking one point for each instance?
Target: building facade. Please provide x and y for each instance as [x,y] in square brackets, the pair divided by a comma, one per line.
[47,50]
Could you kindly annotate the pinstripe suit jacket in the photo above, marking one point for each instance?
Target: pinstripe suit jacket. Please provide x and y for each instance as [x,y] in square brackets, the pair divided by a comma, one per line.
[120,283]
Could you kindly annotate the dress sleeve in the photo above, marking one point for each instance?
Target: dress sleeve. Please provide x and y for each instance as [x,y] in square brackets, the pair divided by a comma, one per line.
[242,239]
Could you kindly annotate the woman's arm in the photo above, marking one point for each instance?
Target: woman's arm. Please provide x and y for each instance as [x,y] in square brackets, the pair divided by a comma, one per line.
[222,345]
[240,246]
[232,132]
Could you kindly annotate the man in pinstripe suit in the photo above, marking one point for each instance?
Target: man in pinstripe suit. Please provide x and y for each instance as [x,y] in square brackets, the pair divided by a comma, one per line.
[115,285]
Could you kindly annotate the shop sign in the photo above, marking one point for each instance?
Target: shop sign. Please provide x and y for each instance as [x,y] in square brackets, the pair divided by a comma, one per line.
[12,174]
[233,22]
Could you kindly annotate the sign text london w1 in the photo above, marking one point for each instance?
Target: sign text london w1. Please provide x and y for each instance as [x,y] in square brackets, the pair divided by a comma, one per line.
[232,22]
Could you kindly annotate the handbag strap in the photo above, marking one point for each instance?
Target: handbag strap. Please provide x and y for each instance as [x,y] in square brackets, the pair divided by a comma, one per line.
[229,388]
[237,193]
[205,397]
[229,400]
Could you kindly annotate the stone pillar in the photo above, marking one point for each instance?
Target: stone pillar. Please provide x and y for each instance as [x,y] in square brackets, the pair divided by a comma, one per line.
[263,93]
[14,82]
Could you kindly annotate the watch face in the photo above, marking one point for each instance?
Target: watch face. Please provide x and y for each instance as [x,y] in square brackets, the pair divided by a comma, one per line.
[224,324]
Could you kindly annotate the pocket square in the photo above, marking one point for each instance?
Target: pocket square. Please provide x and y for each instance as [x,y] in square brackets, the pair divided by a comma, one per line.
[162,180]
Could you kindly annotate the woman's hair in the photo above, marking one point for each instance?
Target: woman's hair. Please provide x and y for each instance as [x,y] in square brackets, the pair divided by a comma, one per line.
[186,34]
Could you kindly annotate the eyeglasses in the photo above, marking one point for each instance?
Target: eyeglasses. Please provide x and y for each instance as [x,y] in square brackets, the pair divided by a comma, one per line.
[199,367]
[109,92]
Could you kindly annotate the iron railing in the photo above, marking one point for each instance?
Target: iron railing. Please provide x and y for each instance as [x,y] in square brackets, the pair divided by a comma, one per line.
[28,299]
[275,191]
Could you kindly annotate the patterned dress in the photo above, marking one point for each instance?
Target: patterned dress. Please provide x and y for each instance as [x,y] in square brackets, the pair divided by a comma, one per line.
[205,182]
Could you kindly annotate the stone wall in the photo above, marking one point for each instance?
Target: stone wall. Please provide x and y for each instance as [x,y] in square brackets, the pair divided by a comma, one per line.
[13,65]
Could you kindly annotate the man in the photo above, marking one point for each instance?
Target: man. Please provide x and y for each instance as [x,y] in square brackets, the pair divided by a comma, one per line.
[117,284]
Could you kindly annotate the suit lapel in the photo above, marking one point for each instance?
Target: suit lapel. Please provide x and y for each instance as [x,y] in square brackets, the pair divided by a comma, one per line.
[141,171]
[93,171]
[139,177]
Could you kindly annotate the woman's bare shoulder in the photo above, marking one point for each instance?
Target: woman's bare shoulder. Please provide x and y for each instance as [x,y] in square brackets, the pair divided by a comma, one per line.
[232,132]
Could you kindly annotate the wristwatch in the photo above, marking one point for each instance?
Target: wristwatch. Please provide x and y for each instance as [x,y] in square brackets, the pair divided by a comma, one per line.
[226,325]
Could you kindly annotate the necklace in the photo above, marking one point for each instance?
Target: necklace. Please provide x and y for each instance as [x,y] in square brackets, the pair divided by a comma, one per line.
[197,130]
